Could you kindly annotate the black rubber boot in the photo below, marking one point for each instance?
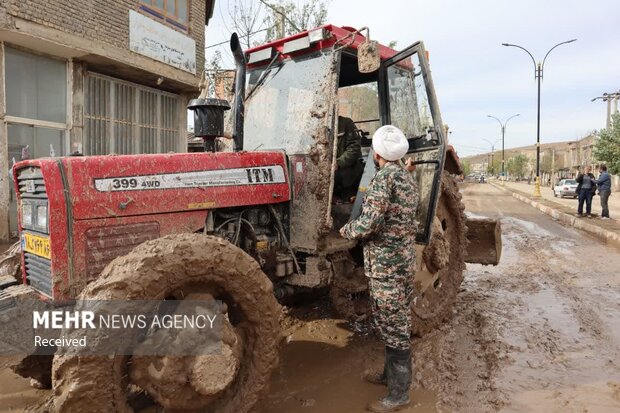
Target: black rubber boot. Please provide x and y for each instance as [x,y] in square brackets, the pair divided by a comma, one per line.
[376,377]
[399,373]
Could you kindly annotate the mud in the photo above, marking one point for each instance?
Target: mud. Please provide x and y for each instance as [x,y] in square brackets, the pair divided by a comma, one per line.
[175,266]
[10,263]
[440,271]
[16,393]
[484,241]
[538,333]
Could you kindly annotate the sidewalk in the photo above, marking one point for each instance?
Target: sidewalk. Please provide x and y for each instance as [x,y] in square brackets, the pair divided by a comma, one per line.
[565,211]
[547,193]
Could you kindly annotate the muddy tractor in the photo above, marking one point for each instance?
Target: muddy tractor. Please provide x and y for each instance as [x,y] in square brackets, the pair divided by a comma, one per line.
[254,227]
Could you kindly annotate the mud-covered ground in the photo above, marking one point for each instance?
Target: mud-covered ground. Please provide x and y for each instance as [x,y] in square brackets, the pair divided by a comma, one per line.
[538,333]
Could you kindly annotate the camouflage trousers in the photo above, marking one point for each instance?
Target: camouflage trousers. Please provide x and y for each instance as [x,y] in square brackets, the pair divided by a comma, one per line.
[390,300]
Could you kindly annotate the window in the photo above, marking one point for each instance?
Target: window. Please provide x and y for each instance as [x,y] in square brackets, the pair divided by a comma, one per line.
[361,103]
[36,86]
[279,114]
[175,12]
[126,118]
[36,106]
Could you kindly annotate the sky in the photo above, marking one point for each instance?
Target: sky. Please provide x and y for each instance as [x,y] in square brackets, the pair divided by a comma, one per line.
[475,76]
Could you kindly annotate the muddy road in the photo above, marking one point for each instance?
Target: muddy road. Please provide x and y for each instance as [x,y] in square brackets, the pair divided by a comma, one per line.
[538,333]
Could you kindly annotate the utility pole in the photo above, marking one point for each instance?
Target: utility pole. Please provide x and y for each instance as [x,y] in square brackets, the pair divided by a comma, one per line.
[612,105]
[491,155]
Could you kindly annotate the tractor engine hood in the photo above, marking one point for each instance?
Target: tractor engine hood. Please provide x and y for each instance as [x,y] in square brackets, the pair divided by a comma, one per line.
[129,185]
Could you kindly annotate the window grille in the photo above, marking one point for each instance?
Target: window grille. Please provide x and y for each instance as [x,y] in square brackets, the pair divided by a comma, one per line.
[126,118]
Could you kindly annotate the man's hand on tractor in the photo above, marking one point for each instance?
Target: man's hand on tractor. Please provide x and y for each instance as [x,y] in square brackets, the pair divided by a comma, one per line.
[409,165]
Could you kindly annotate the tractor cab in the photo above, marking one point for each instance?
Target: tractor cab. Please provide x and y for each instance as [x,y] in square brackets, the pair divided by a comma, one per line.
[298,91]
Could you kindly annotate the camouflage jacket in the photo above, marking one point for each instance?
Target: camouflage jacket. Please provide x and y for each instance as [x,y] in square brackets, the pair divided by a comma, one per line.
[388,223]
[349,149]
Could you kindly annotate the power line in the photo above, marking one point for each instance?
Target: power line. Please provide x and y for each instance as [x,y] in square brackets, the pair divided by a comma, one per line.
[247,35]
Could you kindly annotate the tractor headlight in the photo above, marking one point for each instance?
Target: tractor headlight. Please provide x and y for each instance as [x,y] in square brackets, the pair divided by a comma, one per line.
[42,217]
[26,214]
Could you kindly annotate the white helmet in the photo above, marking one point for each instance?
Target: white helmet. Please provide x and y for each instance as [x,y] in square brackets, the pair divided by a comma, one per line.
[390,143]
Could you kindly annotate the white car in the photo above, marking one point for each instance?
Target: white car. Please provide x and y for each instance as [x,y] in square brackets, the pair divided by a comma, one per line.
[566,187]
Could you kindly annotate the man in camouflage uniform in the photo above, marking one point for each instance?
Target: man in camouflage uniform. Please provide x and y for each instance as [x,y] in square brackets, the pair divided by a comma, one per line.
[388,226]
[349,168]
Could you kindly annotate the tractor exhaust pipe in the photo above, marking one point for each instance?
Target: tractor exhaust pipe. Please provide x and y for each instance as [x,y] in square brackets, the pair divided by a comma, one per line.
[240,62]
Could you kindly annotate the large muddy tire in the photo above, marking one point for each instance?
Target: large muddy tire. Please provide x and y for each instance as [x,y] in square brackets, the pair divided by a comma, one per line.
[443,261]
[154,271]
[349,289]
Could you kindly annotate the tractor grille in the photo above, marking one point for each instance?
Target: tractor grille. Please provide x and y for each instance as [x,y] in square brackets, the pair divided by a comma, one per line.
[34,174]
[38,269]
[106,243]
[39,273]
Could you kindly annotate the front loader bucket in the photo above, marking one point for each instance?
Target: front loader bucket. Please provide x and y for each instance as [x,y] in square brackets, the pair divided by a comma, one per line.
[485,241]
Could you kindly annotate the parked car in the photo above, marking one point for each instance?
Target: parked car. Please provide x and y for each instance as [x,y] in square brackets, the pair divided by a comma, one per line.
[566,187]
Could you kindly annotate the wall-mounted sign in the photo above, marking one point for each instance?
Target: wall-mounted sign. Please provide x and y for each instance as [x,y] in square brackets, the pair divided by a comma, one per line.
[159,42]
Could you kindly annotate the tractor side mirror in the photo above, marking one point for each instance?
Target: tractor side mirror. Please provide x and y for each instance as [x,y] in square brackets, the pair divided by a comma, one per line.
[368,59]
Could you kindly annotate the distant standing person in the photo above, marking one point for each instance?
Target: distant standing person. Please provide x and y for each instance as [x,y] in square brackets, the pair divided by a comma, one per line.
[604,190]
[585,190]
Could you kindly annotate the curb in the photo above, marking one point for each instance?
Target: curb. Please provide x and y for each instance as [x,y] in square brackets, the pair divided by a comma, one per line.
[609,237]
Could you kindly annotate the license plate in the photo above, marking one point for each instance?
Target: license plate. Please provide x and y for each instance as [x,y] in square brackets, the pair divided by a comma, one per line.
[37,245]
[30,186]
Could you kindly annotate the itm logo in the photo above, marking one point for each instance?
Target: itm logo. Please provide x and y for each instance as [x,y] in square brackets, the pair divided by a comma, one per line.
[259,175]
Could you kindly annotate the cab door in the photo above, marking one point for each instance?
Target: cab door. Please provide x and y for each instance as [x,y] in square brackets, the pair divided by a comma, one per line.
[408,101]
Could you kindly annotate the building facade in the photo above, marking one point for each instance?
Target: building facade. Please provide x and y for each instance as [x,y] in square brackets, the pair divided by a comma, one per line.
[95,77]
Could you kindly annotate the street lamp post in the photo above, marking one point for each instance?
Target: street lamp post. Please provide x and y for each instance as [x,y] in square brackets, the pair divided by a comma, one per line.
[538,75]
[503,125]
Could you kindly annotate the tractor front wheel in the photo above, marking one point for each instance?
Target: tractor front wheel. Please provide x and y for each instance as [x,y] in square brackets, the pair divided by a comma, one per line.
[182,266]
[443,261]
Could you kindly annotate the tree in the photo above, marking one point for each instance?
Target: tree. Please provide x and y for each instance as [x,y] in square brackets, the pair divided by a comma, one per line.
[495,167]
[546,162]
[247,19]
[607,147]
[287,17]
[517,165]
[466,167]
[257,22]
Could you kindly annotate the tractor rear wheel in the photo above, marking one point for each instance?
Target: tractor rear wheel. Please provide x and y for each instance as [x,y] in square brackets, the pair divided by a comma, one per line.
[443,261]
[176,267]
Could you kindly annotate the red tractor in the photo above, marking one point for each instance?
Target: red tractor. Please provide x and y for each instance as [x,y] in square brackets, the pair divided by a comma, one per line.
[254,227]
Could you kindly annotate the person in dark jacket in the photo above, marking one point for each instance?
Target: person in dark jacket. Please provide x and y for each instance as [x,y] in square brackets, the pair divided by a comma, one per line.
[349,167]
[604,190]
[586,187]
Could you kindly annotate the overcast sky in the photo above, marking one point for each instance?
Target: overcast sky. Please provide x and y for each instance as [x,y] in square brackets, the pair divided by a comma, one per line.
[475,76]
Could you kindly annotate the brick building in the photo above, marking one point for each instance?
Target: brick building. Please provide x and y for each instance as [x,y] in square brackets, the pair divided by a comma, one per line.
[95,77]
